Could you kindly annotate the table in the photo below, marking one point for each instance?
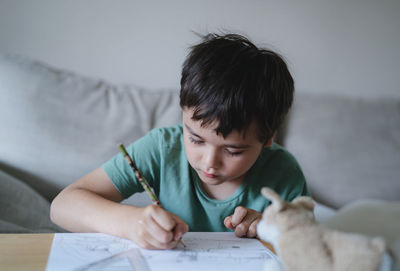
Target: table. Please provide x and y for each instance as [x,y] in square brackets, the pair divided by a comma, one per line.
[24,251]
[30,251]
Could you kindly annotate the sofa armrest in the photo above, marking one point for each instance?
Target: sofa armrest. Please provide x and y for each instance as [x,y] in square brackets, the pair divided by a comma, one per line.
[22,209]
[323,212]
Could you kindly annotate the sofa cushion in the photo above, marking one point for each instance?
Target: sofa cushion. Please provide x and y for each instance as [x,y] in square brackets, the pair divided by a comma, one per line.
[57,126]
[22,209]
[371,218]
[348,147]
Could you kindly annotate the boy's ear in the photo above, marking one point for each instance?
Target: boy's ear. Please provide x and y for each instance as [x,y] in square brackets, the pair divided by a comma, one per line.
[269,143]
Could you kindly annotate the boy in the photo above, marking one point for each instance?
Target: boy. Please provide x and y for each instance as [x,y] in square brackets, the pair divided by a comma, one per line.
[208,171]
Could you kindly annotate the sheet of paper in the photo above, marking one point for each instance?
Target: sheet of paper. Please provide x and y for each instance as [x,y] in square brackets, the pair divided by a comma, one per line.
[70,251]
[204,251]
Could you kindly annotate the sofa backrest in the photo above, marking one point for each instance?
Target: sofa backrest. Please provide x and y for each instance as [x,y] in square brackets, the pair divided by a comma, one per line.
[57,126]
[348,147]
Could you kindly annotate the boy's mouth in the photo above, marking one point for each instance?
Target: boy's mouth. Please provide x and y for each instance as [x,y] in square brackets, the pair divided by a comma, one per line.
[208,175]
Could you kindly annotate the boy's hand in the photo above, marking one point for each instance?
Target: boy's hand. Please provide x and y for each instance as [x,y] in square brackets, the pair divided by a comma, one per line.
[155,228]
[243,222]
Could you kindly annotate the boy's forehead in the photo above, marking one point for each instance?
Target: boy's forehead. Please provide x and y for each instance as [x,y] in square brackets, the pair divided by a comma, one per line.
[188,118]
[197,125]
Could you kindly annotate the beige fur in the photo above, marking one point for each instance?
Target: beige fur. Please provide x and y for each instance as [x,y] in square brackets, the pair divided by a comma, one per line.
[302,244]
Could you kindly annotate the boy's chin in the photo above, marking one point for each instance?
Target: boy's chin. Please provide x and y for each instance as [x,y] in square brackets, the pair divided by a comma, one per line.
[211,181]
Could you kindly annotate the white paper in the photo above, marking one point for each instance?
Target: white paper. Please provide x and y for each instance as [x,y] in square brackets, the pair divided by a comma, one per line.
[204,251]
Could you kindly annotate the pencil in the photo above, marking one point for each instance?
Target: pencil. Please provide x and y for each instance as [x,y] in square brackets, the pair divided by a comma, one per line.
[141,178]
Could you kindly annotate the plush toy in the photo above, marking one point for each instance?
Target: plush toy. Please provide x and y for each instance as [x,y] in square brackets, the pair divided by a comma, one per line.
[302,244]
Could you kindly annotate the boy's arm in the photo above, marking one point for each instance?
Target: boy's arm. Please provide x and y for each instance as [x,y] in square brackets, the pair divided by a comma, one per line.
[93,195]
[92,204]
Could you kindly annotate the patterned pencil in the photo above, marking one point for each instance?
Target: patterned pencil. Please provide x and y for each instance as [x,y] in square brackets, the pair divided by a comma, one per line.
[141,178]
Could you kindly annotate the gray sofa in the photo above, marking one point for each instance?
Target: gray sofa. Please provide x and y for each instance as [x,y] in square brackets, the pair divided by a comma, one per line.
[57,126]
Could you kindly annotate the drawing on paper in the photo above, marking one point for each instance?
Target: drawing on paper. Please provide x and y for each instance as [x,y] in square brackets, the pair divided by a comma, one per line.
[204,251]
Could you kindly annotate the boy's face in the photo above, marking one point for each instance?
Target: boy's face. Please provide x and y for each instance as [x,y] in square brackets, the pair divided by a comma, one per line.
[218,160]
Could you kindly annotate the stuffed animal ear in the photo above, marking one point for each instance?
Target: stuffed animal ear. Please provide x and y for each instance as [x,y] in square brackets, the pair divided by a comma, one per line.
[305,202]
[275,199]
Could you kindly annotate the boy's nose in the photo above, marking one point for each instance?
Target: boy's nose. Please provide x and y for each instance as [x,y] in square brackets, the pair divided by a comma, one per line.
[211,159]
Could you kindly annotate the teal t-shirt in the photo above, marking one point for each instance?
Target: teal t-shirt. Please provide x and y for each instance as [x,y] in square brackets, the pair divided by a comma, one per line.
[160,156]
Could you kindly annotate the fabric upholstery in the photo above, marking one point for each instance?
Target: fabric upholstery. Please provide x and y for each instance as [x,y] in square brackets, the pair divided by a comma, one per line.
[22,209]
[371,218]
[348,147]
[57,126]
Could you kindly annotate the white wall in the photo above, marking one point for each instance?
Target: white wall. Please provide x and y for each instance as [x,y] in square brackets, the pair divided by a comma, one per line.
[347,46]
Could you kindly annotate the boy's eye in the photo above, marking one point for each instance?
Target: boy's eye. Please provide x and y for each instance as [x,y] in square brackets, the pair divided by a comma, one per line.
[234,153]
[195,141]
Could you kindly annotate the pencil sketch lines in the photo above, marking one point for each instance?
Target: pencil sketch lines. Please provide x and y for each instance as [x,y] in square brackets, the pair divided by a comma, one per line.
[203,251]
[217,258]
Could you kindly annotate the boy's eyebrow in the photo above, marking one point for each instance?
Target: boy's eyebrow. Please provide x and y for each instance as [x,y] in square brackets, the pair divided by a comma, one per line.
[233,146]
[239,146]
[191,131]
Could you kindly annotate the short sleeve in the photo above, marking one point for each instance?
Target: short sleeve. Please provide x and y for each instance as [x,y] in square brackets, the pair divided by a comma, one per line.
[145,152]
[296,181]
[281,171]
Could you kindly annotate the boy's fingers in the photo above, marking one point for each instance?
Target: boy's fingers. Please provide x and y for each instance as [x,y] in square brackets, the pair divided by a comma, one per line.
[153,236]
[252,232]
[182,223]
[143,239]
[158,232]
[158,245]
[238,215]
[164,229]
[246,227]
[152,243]
[144,244]
[228,222]
[180,229]
[162,217]
[243,228]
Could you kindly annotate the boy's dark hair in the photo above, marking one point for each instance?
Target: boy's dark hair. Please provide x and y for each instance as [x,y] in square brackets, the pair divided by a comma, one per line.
[227,79]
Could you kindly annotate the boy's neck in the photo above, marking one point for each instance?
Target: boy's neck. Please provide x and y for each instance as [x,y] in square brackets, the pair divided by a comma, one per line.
[221,191]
